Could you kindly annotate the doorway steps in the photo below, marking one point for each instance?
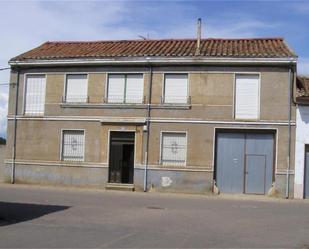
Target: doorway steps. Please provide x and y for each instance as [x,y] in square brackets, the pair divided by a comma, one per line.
[119,186]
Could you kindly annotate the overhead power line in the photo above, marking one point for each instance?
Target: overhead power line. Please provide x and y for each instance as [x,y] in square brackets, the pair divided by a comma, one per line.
[4,68]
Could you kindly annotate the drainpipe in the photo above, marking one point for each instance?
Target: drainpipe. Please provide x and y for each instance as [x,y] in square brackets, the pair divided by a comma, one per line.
[147,128]
[289,135]
[15,129]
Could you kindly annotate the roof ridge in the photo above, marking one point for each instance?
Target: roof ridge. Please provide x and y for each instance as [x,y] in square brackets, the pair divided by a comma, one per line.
[171,39]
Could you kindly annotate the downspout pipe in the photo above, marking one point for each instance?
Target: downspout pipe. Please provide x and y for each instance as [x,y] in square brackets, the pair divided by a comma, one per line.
[15,129]
[291,79]
[148,128]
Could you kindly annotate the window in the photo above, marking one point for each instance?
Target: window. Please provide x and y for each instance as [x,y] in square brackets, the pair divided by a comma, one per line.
[73,144]
[125,88]
[76,88]
[247,99]
[35,94]
[173,148]
[176,88]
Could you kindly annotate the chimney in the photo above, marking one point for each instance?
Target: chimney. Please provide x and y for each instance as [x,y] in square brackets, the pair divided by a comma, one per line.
[199,36]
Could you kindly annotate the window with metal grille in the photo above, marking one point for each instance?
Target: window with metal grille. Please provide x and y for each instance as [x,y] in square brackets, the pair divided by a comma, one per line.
[35,94]
[76,88]
[125,88]
[173,149]
[176,88]
[247,96]
[73,145]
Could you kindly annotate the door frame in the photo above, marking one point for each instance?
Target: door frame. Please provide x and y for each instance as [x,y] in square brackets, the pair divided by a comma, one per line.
[245,131]
[109,144]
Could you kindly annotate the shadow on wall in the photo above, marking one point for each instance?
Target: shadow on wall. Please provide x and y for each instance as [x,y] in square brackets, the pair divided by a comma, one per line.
[11,213]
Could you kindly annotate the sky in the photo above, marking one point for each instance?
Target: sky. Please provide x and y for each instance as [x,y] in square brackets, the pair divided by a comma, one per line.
[27,24]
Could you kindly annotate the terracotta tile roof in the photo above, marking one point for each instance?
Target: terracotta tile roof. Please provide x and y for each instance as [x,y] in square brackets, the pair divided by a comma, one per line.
[302,84]
[229,48]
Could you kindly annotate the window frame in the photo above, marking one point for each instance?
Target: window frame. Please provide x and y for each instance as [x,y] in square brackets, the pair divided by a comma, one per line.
[164,84]
[125,74]
[61,145]
[259,94]
[25,94]
[161,147]
[65,90]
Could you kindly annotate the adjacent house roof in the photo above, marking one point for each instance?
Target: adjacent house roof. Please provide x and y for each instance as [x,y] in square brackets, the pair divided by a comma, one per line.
[302,84]
[223,48]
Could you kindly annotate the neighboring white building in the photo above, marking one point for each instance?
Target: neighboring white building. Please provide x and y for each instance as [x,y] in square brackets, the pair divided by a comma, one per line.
[301,187]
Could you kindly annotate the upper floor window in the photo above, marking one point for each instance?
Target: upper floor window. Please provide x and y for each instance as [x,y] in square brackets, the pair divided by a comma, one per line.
[73,145]
[176,88]
[247,96]
[174,148]
[76,88]
[125,88]
[35,94]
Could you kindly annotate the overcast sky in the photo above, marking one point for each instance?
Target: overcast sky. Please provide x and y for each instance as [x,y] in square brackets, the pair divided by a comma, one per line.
[26,24]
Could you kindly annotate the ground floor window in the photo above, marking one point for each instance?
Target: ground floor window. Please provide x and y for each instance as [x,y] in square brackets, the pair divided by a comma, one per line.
[73,145]
[174,148]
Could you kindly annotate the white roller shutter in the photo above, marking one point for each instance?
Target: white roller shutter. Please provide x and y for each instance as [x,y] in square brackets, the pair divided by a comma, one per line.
[247,99]
[76,89]
[176,88]
[35,94]
[116,88]
[174,149]
[134,88]
[73,145]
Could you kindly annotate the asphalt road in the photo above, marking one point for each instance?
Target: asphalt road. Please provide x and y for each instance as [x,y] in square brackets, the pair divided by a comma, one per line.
[46,217]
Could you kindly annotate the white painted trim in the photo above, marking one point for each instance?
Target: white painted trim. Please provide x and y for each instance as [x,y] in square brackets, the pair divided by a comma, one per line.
[154,120]
[61,142]
[174,168]
[177,132]
[59,163]
[162,60]
[206,71]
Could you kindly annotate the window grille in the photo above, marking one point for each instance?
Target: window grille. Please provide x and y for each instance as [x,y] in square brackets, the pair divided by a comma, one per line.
[73,145]
[174,149]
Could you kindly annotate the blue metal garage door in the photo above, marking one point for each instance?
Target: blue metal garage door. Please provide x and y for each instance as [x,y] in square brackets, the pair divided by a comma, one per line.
[244,162]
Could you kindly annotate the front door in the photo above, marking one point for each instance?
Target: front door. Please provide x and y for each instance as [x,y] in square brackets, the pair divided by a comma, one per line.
[121,157]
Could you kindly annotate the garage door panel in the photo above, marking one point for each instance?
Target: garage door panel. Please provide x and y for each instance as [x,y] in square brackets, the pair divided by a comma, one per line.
[230,162]
[255,174]
[262,144]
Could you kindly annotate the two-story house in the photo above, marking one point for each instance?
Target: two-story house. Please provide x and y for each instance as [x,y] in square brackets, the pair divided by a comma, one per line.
[169,115]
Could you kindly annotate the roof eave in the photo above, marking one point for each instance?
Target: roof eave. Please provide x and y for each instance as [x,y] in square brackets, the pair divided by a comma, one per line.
[302,100]
[153,60]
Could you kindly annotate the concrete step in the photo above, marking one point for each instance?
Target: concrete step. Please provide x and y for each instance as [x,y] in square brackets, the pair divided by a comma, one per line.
[120,186]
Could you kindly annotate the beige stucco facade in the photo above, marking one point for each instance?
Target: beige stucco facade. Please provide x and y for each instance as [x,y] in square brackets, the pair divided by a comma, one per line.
[211,91]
